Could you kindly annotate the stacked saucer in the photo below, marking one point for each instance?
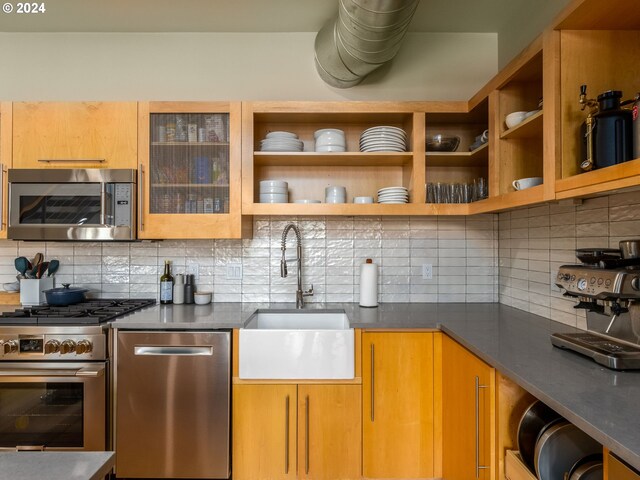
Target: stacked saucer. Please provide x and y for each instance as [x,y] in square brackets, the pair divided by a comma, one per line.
[281,142]
[393,195]
[383,139]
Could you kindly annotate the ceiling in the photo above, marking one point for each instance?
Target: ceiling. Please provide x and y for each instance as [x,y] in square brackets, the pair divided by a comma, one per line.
[249,16]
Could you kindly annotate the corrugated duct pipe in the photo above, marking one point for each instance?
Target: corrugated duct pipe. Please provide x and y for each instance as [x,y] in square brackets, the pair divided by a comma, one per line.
[366,35]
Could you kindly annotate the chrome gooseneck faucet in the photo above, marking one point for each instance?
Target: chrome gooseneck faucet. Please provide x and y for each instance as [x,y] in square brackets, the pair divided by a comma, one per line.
[283,263]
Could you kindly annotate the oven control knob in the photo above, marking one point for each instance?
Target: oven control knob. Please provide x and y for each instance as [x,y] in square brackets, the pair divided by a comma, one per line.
[635,283]
[83,346]
[10,347]
[68,346]
[52,346]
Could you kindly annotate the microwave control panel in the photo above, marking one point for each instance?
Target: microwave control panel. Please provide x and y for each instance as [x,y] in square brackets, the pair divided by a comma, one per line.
[122,205]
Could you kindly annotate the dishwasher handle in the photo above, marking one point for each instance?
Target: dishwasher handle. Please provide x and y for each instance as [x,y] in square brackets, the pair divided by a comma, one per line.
[174,350]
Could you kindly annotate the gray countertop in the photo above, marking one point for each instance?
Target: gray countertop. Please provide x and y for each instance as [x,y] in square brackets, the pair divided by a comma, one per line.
[601,402]
[56,465]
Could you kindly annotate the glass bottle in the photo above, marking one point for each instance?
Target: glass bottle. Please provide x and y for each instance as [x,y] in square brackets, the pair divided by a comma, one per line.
[166,284]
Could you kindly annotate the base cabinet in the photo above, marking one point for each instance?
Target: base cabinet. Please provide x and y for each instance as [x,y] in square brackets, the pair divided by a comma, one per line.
[468,400]
[296,431]
[398,405]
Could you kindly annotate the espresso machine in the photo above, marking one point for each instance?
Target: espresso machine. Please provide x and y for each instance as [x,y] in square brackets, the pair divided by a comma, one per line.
[607,286]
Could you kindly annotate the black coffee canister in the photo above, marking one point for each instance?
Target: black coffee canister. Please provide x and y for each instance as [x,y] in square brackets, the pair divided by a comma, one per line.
[612,132]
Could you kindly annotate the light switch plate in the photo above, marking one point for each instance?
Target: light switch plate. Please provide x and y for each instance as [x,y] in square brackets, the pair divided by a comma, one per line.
[427,271]
[234,271]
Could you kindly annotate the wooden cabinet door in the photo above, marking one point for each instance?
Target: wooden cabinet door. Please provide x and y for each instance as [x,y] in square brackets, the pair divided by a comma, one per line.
[329,432]
[6,145]
[264,432]
[75,134]
[398,405]
[189,176]
[615,469]
[468,398]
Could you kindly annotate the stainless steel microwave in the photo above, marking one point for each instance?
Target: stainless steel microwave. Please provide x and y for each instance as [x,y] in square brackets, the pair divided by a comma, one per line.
[90,204]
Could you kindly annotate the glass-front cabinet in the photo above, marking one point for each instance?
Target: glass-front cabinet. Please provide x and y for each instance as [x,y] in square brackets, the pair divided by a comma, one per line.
[189,173]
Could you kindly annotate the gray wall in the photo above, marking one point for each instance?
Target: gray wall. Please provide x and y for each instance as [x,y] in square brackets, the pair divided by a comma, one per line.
[230,66]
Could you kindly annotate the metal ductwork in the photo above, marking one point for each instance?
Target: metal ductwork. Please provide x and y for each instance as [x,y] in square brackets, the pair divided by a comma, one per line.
[365,35]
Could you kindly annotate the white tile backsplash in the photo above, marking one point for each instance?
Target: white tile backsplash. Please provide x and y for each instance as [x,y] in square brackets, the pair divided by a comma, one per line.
[461,250]
[533,242]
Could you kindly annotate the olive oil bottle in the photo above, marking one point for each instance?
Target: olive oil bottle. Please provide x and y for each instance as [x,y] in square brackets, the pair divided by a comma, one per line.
[166,284]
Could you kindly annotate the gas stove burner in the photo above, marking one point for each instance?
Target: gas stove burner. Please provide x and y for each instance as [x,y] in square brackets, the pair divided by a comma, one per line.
[91,312]
[602,349]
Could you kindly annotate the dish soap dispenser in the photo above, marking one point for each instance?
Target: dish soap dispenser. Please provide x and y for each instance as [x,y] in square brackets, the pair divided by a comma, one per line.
[369,284]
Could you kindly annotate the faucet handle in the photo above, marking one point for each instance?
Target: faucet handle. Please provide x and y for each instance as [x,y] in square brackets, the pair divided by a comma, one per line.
[309,293]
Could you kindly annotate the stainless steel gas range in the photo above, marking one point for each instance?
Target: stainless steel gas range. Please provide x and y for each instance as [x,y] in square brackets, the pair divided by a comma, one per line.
[54,375]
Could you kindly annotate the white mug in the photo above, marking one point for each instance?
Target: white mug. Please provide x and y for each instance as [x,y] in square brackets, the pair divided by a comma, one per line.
[524,183]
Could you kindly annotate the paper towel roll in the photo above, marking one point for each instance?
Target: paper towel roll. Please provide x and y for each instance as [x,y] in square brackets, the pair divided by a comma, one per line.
[369,284]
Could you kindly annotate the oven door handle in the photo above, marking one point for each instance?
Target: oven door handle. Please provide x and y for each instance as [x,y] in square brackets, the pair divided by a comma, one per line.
[92,372]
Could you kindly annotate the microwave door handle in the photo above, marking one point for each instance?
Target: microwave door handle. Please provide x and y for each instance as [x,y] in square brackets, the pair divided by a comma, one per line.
[93,372]
[103,204]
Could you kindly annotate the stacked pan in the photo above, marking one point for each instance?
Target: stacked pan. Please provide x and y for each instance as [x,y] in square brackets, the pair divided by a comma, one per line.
[366,35]
[556,449]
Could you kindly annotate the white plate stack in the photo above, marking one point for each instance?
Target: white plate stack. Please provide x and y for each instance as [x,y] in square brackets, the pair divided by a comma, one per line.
[383,139]
[281,142]
[393,195]
[274,191]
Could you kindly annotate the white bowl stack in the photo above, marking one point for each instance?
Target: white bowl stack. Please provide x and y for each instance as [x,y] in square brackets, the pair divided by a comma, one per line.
[335,194]
[383,139]
[393,195]
[330,140]
[281,142]
[274,191]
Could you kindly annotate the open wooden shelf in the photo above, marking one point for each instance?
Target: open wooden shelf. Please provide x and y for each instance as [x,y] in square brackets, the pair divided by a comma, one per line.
[476,158]
[330,159]
[509,200]
[623,175]
[529,128]
[187,185]
[349,209]
[190,144]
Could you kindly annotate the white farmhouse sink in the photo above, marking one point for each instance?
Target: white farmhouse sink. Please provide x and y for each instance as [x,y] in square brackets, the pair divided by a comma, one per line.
[290,344]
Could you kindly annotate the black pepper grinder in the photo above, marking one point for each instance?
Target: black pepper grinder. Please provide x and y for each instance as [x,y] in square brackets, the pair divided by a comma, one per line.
[188,289]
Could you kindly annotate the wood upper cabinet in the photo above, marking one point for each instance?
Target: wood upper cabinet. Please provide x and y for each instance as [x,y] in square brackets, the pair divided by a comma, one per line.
[329,432]
[189,172]
[264,432]
[468,399]
[6,126]
[398,405]
[75,134]
[291,431]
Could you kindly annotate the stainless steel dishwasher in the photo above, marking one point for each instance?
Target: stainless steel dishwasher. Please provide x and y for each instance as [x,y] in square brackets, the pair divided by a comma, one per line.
[172,404]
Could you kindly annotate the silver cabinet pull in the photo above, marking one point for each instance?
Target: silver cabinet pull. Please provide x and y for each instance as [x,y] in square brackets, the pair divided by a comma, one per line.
[306,436]
[373,376]
[286,435]
[30,448]
[1,195]
[141,198]
[184,351]
[71,160]
[478,466]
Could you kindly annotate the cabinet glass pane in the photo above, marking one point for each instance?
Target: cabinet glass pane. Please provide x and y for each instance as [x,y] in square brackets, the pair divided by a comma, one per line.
[189,164]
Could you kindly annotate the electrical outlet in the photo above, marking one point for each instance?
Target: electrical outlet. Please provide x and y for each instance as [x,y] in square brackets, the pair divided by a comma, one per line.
[427,271]
[193,269]
[234,271]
